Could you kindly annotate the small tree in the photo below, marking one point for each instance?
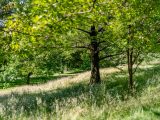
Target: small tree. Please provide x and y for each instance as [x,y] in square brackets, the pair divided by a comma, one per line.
[136,22]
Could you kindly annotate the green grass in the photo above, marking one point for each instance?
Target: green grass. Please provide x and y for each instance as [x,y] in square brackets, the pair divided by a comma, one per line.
[110,100]
[33,80]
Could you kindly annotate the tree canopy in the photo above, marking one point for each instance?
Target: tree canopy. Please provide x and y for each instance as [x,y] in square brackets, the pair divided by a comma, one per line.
[49,35]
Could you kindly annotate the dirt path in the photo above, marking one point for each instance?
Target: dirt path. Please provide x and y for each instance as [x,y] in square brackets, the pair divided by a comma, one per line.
[66,81]
[58,83]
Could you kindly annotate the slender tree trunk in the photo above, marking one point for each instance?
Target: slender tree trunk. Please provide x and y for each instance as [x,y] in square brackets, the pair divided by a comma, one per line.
[130,57]
[130,67]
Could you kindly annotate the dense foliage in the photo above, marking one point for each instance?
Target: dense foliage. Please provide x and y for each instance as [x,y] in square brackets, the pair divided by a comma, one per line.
[47,37]
[112,40]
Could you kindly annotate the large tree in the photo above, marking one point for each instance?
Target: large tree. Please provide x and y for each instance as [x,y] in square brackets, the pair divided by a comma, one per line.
[108,27]
[50,23]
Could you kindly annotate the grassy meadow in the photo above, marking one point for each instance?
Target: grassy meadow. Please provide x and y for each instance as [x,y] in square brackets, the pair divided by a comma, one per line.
[71,98]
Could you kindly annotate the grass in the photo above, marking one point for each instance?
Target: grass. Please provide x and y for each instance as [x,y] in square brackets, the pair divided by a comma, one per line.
[33,80]
[73,99]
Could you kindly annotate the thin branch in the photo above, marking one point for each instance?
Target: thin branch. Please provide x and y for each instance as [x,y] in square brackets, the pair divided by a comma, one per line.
[113,43]
[79,47]
[137,66]
[136,57]
[83,30]
[101,30]
[50,47]
[101,42]
[102,48]
[109,56]
[119,69]
[56,47]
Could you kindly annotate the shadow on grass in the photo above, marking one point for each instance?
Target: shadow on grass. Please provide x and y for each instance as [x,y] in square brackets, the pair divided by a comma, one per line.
[118,82]
[148,77]
[115,87]
[37,79]
[33,80]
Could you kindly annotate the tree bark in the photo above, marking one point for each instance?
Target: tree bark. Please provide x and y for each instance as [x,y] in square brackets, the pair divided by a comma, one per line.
[130,57]
[130,67]
[95,74]
[28,77]
[94,49]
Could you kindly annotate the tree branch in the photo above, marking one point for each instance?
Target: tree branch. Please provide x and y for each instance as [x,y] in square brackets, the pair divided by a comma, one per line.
[136,57]
[79,47]
[83,30]
[101,30]
[109,56]
[102,49]
[56,47]
[121,69]
[101,42]
[137,66]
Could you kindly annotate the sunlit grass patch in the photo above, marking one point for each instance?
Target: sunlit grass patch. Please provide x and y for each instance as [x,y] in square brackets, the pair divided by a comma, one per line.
[72,98]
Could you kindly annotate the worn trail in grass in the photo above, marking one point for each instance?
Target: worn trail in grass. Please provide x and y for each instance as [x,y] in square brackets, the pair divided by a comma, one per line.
[65,81]
[55,84]
[70,98]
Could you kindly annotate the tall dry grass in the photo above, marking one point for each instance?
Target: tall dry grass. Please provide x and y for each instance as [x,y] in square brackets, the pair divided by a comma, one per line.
[72,99]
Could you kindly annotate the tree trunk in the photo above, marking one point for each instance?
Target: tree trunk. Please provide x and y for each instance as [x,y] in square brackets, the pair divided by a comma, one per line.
[28,77]
[95,74]
[130,67]
[130,57]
